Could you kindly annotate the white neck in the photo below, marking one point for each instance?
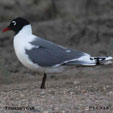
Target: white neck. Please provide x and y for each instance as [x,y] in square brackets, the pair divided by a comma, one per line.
[26,29]
[23,36]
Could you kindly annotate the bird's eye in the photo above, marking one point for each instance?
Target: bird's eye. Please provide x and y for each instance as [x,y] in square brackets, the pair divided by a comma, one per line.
[14,23]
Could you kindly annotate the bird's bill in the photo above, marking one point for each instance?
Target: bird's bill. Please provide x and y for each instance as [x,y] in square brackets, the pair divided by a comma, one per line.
[6,29]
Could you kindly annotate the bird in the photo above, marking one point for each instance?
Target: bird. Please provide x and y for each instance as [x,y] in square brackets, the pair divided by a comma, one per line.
[42,55]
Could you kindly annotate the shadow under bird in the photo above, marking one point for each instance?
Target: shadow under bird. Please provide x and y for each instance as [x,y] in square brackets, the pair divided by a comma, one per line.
[38,54]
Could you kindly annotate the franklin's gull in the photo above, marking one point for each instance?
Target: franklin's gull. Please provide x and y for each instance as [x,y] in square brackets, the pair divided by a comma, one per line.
[38,54]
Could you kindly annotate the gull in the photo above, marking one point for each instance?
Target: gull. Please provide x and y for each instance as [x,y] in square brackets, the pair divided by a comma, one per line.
[45,56]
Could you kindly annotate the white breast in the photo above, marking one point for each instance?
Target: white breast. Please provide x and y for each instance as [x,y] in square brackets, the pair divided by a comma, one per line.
[21,42]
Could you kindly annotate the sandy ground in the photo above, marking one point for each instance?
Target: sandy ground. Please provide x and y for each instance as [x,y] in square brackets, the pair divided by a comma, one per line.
[79,90]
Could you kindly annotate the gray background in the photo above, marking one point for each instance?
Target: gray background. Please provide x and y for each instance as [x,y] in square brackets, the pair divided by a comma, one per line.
[85,25]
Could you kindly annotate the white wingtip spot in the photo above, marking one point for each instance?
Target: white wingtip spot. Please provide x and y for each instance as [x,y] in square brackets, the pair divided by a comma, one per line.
[68,50]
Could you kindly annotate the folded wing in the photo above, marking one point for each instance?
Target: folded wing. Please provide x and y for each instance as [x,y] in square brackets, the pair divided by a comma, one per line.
[46,53]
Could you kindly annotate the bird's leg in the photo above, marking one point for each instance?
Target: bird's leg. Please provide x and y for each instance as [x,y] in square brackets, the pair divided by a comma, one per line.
[43,81]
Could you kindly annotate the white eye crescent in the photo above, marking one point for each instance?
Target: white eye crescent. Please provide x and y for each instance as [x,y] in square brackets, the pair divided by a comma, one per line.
[14,23]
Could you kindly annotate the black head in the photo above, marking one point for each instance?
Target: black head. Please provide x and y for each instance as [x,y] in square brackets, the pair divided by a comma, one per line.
[17,24]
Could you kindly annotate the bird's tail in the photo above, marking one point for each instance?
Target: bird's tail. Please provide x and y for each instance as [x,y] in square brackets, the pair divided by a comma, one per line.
[103,60]
[91,61]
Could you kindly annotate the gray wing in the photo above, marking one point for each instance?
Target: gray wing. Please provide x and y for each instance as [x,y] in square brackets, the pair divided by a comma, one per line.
[50,54]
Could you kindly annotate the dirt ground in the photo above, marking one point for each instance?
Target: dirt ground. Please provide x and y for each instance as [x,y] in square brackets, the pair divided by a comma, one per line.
[85,25]
[79,90]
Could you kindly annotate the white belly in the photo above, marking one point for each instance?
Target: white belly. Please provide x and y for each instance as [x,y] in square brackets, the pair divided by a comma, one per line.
[20,44]
[23,58]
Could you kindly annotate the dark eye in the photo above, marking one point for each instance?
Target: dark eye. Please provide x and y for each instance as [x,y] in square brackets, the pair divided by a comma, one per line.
[14,23]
